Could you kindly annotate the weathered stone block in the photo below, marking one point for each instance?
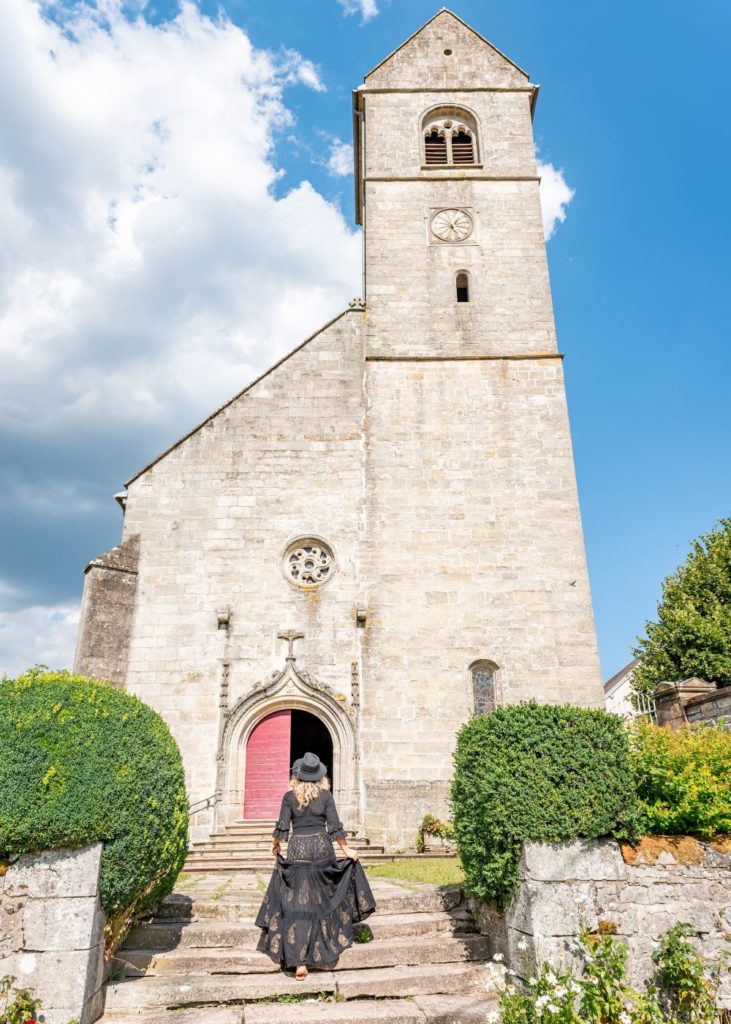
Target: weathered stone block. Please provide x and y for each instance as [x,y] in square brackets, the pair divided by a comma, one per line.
[582,860]
[52,873]
[73,923]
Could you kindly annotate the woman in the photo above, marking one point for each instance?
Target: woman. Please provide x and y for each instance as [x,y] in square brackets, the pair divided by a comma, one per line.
[311,903]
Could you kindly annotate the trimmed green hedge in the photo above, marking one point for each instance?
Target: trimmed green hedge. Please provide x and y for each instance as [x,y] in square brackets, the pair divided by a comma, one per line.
[82,762]
[536,772]
[683,779]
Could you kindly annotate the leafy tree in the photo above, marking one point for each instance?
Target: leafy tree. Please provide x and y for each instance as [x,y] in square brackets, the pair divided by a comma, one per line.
[692,634]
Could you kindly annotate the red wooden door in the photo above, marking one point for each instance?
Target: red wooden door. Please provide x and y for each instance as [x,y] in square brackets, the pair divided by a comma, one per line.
[267,765]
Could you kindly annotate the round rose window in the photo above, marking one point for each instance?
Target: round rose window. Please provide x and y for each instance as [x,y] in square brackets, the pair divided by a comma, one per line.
[309,563]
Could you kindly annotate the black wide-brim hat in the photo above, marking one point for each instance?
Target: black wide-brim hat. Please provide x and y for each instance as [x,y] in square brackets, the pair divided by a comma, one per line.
[309,768]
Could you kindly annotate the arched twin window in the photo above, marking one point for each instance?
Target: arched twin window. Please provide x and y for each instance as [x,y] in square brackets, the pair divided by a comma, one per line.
[450,137]
[483,686]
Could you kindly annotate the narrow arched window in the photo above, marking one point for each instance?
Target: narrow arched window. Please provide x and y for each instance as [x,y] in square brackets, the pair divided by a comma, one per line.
[463,287]
[435,147]
[483,687]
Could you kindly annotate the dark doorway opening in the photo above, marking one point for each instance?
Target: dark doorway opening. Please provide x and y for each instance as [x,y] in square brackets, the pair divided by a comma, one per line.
[310,734]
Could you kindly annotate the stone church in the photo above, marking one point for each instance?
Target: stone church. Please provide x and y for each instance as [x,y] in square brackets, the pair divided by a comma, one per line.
[380,536]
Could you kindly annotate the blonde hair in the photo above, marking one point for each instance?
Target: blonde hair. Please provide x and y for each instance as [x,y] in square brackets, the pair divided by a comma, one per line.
[305,792]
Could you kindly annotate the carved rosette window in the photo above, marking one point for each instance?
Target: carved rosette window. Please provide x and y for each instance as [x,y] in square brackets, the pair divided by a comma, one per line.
[309,563]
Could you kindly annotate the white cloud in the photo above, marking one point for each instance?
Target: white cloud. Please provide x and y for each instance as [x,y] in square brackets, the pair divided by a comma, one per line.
[148,270]
[340,160]
[37,635]
[366,8]
[555,197]
[49,498]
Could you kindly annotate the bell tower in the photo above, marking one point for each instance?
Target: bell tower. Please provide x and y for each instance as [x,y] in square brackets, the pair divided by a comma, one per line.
[447,193]
[473,548]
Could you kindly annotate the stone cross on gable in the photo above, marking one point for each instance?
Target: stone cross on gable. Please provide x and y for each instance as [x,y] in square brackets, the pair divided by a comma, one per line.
[290,636]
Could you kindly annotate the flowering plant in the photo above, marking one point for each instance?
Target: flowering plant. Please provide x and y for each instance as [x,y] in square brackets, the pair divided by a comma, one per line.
[681,992]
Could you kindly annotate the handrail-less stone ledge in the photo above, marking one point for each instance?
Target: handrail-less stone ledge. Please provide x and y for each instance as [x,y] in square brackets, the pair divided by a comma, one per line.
[641,890]
[52,931]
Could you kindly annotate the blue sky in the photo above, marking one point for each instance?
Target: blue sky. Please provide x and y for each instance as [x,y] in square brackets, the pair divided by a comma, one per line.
[150,155]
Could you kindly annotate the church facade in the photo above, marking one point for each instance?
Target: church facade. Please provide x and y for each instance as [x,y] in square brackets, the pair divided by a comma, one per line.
[381,535]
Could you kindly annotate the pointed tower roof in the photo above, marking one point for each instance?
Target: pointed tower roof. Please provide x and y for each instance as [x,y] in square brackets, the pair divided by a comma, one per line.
[446,53]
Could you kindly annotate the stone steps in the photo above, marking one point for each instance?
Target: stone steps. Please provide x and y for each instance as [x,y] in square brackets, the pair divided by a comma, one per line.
[162,936]
[404,981]
[424,964]
[183,906]
[211,860]
[427,1009]
[435,949]
[246,844]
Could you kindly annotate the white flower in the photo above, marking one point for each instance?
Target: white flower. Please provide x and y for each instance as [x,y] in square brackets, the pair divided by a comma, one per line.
[541,1001]
[539,1010]
[510,971]
[552,1008]
[531,980]
[493,1017]
[576,988]
[498,958]
[522,945]
[551,978]
[624,1018]
[560,991]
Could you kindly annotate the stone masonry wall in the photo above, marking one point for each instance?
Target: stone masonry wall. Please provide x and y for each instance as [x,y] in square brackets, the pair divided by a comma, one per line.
[52,931]
[565,886]
[474,551]
[215,515]
[421,60]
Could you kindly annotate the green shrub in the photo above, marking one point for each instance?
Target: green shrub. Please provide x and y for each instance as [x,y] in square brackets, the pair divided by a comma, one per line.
[683,779]
[431,826]
[536,772]
[82,762]
[682,991]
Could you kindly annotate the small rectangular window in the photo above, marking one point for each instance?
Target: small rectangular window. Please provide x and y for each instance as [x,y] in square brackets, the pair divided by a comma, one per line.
[463,288]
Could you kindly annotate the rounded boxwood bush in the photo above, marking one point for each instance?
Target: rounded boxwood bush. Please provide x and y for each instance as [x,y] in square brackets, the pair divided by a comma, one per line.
[536,772]
[82,762]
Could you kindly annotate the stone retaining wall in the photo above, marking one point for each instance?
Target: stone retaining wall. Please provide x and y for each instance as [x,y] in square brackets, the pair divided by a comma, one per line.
[642,890]
[52,931]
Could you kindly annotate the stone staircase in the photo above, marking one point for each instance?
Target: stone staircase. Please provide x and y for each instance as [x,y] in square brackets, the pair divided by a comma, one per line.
[196,962]
[246,845]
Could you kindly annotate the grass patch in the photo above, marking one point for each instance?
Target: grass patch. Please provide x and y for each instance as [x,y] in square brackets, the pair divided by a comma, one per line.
[218,893]
[436,871]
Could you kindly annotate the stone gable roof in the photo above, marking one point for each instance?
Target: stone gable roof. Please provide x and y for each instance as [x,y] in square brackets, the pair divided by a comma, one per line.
[414,63]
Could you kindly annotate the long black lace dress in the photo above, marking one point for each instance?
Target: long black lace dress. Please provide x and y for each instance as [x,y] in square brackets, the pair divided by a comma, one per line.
[312,900]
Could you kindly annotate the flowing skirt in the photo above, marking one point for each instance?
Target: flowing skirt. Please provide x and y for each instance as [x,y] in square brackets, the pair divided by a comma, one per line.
[311,904]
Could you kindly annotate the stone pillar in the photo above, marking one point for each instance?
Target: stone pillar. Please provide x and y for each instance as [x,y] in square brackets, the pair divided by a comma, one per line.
[107,612]
[671,700]
[52,931]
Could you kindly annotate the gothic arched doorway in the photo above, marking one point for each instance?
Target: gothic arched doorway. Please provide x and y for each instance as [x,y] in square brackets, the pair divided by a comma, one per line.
[273,745]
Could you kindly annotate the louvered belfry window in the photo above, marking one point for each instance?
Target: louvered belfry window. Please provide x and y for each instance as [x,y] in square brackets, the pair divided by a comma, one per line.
[435,146]
[450,137]
[462,148]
